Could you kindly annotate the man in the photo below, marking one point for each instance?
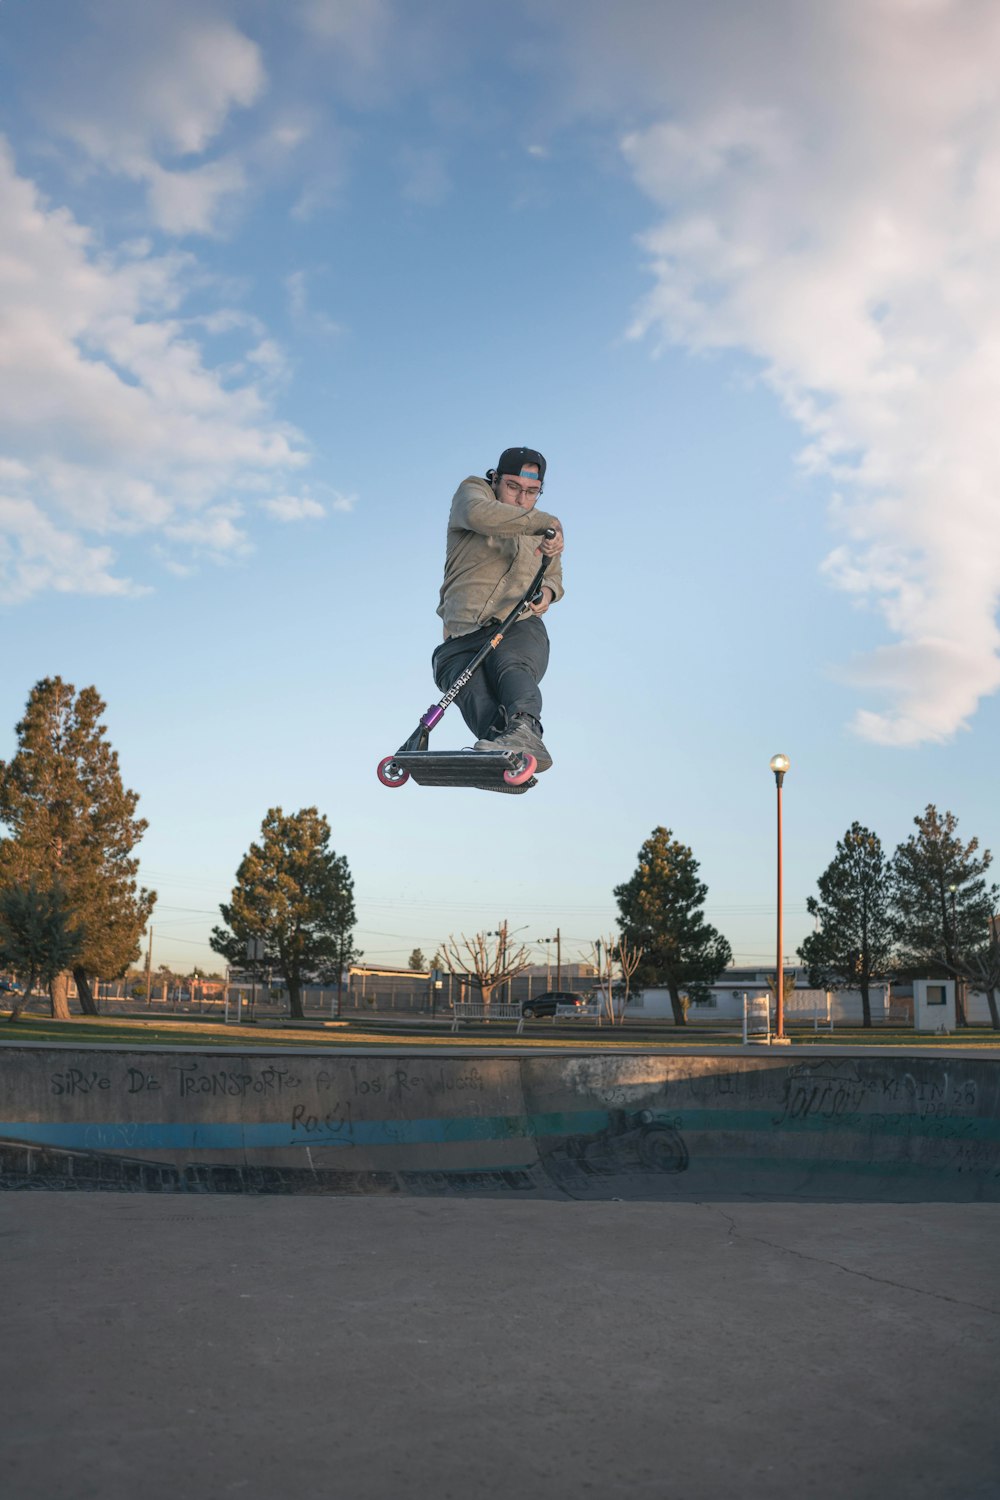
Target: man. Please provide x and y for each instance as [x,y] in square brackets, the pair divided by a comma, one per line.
[494,549]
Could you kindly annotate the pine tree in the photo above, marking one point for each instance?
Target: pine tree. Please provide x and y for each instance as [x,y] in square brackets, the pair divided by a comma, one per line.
[660,912]
[854,943]
[943,905]
[417,962]
[73,823]
[293,892]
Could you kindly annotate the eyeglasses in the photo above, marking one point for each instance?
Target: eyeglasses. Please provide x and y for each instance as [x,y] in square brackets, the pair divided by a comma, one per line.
[531,491]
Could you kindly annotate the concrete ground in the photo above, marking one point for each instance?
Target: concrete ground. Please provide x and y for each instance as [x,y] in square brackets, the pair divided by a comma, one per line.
[263,1347]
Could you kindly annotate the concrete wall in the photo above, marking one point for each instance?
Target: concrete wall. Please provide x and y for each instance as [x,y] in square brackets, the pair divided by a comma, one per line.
[604,1125]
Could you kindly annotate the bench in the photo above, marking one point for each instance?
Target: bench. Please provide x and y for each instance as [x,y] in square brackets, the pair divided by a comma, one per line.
[497,1010]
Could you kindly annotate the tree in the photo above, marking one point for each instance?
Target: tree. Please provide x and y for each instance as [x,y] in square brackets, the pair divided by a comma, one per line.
[853,945]
[417,961]
[608,956]
[628,956]
[487,966]
[660,912]
[787,986]
[38,936]
[943,907]
[166,979]
[73,823]
[294,893]
[602,959]
[982,966]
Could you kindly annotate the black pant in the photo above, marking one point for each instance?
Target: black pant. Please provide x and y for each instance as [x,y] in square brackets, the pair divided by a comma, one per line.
[506,683]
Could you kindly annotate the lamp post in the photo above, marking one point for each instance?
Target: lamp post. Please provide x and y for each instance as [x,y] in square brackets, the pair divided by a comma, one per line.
[959,988]
[779,765]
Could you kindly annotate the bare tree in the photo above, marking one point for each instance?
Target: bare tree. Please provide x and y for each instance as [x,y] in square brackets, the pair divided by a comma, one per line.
[602,958]
[487,965]
[630,956]
[608,956]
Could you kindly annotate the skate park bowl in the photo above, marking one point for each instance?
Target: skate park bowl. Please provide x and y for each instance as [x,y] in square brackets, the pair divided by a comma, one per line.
[610,1125]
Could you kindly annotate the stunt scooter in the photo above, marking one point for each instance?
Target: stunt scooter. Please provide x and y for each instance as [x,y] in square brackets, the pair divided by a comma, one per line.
[491,771]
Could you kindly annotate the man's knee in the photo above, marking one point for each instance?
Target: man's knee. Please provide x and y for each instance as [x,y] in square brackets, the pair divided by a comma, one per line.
[447,662]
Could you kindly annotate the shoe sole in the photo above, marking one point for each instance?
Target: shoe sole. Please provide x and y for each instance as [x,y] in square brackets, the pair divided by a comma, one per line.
[544,762]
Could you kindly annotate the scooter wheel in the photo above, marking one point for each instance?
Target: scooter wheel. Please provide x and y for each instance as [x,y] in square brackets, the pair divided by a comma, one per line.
[392,774]
[518,778]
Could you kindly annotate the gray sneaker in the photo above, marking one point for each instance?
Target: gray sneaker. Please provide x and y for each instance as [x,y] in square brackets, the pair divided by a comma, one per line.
[522,738]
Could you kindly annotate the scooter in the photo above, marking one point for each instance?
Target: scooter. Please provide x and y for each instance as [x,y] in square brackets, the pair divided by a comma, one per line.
[492,771]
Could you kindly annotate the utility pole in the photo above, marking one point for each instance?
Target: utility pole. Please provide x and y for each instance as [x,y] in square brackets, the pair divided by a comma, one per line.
[548,962]
[503,952]
[501,933]
[149,970]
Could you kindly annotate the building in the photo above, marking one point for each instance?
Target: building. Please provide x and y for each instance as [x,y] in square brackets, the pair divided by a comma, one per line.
[725,1000]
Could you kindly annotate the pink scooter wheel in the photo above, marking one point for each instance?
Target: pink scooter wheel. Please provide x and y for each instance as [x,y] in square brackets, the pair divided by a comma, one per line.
[390,774]
[518,778]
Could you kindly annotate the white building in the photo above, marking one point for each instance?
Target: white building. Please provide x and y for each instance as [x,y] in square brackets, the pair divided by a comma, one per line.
[725,1000]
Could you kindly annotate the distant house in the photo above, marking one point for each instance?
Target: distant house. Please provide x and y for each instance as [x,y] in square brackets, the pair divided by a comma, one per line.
[725,999]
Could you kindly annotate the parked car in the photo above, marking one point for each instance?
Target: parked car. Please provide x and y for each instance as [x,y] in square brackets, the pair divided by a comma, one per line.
[545,1004]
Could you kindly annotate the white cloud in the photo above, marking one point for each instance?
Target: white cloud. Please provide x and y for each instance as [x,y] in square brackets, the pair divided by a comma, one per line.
[113,419]
[38,556]
[179,74]
[829,179]
[358,28]
[191,202]
[293,508]
[305,316]
[214,530]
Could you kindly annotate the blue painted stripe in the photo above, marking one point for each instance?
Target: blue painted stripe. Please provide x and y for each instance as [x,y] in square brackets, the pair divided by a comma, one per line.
[160,1135]
[870,1123]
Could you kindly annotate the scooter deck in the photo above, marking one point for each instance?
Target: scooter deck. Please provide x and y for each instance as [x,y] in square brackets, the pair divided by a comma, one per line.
[475,768]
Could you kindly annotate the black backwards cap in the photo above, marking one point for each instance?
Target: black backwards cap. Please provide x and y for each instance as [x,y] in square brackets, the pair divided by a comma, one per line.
[513,460]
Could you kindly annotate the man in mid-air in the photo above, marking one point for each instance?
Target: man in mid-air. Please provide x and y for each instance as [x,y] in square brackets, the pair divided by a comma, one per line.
[493,551]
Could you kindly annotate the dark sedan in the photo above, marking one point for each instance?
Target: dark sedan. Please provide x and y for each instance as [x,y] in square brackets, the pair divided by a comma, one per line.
[545,1005]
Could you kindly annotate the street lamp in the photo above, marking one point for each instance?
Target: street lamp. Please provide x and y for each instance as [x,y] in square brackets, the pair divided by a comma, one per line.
[779,765]
[959,994]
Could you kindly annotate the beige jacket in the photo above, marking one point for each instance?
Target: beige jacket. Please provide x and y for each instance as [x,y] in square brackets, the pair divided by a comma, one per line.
[491,557]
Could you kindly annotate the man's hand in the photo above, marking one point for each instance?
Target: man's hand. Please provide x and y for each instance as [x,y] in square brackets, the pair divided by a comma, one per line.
[547,597]
[552,545]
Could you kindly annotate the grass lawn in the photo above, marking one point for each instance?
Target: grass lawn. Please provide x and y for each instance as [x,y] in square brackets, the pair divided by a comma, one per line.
[140,1031]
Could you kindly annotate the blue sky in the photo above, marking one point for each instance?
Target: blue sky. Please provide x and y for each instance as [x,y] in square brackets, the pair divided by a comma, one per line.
[275,277]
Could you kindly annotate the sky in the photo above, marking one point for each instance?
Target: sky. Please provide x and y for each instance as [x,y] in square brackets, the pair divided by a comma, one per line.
[276,275]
